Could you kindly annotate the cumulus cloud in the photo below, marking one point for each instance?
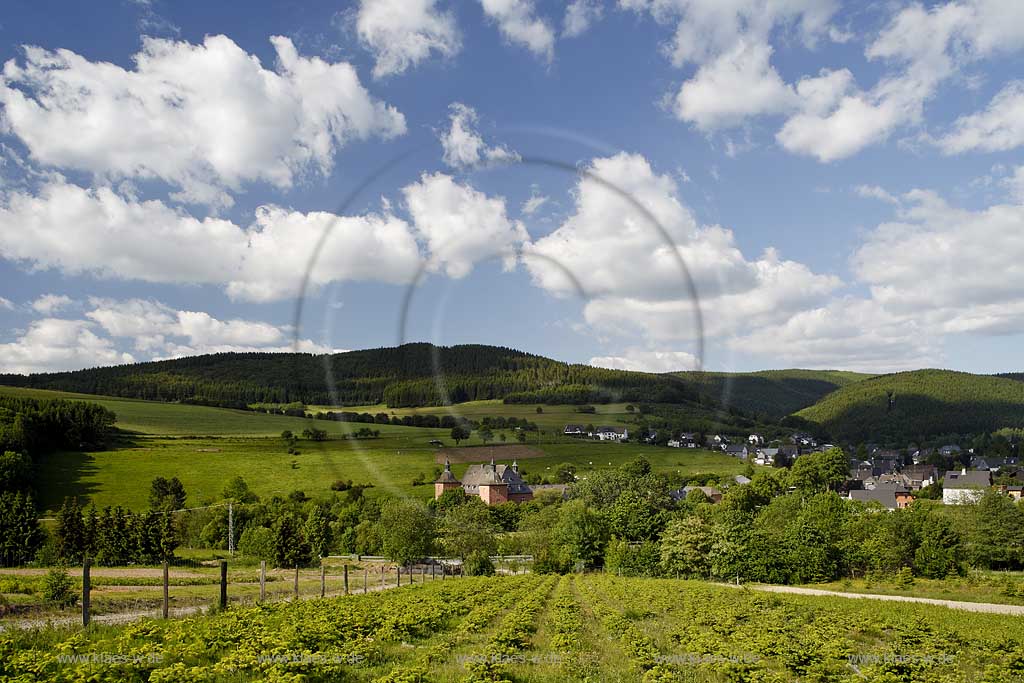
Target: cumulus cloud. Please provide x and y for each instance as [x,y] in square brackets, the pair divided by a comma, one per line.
[98,231]
[403,33]
[1015,184]
[730,42]
[52,344]
[463,145]
[459,224]
[203,118]
[534,203]
[152,329]
[580,15]
[953,269]
[733,86]
[876,192]
[161,331]
[519,24]
[48,304]
[998,128]
[631,271]
[925,47]
[848,333]
[644,360]
[6,304]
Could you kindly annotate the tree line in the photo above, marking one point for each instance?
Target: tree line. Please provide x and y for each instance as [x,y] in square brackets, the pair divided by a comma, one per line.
[401,376]
[30,428]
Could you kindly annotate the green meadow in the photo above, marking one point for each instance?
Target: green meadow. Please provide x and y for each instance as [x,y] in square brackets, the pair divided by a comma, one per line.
[551,417]
[206,447]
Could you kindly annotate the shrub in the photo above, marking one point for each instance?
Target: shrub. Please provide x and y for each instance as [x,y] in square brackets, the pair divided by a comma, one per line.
[59,588]
[258,542]
[478,564]
[904,577]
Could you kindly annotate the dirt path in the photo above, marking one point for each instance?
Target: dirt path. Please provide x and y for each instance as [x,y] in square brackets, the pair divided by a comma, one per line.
[989,607]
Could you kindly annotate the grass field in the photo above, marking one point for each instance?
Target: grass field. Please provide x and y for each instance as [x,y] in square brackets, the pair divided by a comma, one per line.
[540,628]
[206,447]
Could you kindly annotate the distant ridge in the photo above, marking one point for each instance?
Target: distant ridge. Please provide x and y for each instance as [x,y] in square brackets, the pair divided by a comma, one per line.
[908,406]
[773,393]
[399,376]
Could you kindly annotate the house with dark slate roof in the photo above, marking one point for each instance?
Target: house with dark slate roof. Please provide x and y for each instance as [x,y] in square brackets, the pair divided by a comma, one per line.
[493,484]
[965,486]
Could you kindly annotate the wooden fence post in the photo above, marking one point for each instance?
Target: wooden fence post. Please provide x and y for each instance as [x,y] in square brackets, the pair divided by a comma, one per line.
[296,582]
[85,593]
[399,569]
[263,580]
[166,590]
[323,579]
[366,575]
[346,578]
[223,584]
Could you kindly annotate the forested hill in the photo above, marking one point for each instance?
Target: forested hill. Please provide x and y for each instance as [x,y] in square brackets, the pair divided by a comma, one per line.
[772,393]
[918,405]
[399,376]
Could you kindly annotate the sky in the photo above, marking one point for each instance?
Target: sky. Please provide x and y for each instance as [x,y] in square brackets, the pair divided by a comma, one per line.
[651,185]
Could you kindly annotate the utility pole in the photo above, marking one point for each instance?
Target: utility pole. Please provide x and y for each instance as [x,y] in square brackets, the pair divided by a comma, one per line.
[231,529]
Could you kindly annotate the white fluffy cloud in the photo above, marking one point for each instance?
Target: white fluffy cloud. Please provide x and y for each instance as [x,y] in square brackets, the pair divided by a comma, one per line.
[645,360]
[152,329]
[48,304]
[98,231]
[999,127]
[518,22]
[463,145]
[460,224]
[707,28]
[6,304]
[580,15]
[631,273]
[730,42]
[847,333]
[607,236]
[952,269]
[51,344]
[925,47]
[161,331]
[733,86]
[403,33]
[203,118]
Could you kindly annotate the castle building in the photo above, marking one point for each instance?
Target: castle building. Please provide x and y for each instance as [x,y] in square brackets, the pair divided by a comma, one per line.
[494,484]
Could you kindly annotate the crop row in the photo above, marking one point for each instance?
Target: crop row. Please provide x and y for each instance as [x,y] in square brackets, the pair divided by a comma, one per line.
[512,636]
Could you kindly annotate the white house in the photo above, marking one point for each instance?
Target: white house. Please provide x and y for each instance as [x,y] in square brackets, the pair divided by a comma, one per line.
[965,486]
[765,456]
[612,433]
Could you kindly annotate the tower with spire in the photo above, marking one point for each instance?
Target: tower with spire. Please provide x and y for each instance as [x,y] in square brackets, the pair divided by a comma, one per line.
[446,481]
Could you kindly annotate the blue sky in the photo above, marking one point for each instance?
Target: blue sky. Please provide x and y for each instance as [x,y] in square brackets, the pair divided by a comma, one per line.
[842,182]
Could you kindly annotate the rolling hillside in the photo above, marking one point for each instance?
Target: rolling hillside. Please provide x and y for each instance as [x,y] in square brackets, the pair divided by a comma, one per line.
[772,393]
[917,405]
[399,376]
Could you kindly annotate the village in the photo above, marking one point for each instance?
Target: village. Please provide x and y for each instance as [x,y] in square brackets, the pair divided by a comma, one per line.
[893,478]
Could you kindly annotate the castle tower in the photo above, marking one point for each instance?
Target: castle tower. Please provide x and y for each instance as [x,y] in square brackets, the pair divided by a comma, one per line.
[446,481]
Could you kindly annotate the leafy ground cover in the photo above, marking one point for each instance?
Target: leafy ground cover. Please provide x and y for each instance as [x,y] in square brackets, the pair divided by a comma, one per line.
[539,628]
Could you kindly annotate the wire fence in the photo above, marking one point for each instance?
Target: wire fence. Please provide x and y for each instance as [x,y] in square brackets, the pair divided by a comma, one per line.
[186,586]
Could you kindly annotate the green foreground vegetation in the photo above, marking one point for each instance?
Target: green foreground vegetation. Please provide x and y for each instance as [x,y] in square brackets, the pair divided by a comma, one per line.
[539,628]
